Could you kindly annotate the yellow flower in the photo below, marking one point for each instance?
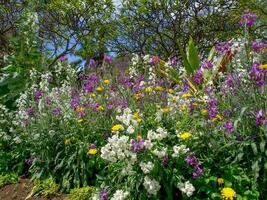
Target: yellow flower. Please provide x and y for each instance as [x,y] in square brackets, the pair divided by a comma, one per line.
[217,118]
[116,128]
[158,88]
[92,94]
[67,141]
[220,181]
[171,91]
[80,121]
[204,111]
[228,193]
[186,95]
[139,137]
[148,89]
[100,108]
[263,66]
[185,135]
[174,98]
[99,89]
[92,151]
[166,110]
[183,107]
[137,96]
[106,81]
[80,109]
[137,117]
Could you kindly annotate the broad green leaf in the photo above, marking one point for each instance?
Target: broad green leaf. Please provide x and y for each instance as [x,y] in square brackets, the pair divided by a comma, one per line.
[186,63]
[192,55]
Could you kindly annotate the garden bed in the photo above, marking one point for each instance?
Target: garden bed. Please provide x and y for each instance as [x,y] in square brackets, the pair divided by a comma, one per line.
[20,190]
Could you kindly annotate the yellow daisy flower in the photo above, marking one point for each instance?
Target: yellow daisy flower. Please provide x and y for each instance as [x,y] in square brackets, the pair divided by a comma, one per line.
[159,88]
[186,95]
[228,193]
[170,91]
[100,108]
[116,128]
[92,151]
[99,89]
[263,66]
[185,135]
[137,117]
[166,110]
[148,89]
[106,81]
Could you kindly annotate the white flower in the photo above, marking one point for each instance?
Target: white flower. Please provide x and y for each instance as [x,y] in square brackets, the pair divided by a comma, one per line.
[151,185]
[179,150]
[119,195]
[148,144]
[186,188]
[146,167]
[160,153]
[130,129]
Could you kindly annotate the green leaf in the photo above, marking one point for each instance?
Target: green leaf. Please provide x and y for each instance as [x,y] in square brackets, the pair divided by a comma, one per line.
[192,55]
[254,148]
[186,63]
[262,146]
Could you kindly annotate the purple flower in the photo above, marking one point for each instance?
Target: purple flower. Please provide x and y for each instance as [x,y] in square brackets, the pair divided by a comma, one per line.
[191,160]
[56,111]
[207,65]
[194,162]
[258,46]
[137,145]
[198,171]
[103,194]
[107,59]
[29,111]
[223,47]
[198,77]
[29,161]
[260,118]
[92,63]
[212,108]
[174,61]
[227,112]
[258,74]
[165,161]
[154,60]
[229,126]
[92,146]
[48,100]
[75,103]
[248,19]
[63,58]
[38,94]
[185,85]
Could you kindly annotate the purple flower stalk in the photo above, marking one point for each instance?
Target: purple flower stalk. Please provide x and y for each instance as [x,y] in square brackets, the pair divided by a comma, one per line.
[107,59]
[194,162]
[137,145]
[29,111]
[198,77]
[207,65]
[260,118]
[258,46]
[212,108]
[92,63]
[38,94]
[223,47]
[75,103]
[248,19]
[103,194]
[56,111]
[227,112]
[229,126]
[174,61]
[258,74]
[165,161]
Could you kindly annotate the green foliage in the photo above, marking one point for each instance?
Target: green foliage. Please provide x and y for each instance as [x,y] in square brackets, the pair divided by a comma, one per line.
[45,187]
[83,193]
[8,179]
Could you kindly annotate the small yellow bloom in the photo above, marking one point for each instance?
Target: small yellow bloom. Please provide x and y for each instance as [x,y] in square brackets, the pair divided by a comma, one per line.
[228,193]
[139,137]
[92,94]
[204,111]
[174,98]
[159,88]
[67,141]
[80,121]
[217,118]
[148,89]
[263,66]
[170,91]
[137,96]
[186,95]
[80,109]
[100,108]
[166,110]
[106,81]
[220,181]
[92,151]
[99,89]
[185,135]
[183,107]
[116,128]
[137,117]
